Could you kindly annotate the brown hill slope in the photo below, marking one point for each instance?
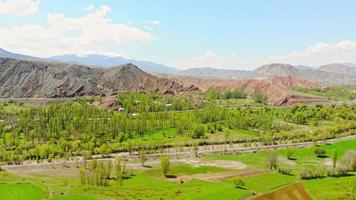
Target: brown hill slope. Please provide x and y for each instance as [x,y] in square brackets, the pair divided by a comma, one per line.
[22,78]
[321,75]
[277,89]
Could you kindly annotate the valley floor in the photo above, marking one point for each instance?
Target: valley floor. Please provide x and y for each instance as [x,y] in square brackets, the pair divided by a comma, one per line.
[210,176]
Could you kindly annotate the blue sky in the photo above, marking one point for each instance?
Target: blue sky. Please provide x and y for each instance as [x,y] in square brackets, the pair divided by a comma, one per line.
[185,33]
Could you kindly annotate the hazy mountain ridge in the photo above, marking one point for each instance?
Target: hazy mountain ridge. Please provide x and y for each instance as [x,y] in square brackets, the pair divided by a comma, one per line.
[316,75]
[328,74]
[108,61]
[339,69]
[211,73]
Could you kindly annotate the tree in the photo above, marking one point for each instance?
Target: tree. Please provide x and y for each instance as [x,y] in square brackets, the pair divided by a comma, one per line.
[165,164]
[238,182]
[334,159]
[119,168]
[143,157]
[196,149]
[290,154]
[82,175]
[272,160]
[108,169]
[258,97]
[94,164]
[212,94]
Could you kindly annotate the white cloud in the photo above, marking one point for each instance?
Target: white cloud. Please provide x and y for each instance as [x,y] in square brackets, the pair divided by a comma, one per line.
[19,8]
[93,33]
[152,22]
[319,54]
[210,59]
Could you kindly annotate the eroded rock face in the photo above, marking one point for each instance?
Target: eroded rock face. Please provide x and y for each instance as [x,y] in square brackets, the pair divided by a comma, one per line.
[23,78]
[277,89]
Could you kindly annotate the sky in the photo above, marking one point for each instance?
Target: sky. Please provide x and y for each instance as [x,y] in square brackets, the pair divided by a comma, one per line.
[227,34]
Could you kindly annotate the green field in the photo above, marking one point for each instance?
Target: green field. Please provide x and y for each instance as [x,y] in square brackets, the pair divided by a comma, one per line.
[150,184]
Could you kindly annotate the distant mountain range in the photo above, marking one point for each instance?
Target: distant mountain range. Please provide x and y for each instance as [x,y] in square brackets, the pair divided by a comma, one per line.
[329,74]
[25,78]
[7,54]
[107,61]
[96,61]
[211,73]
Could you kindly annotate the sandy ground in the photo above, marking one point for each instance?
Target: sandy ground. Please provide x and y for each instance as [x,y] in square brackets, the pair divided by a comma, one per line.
[216,177]
[71,171]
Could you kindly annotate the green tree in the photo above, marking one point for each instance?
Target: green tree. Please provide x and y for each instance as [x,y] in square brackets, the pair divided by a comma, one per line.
[290,154]
[82,177]
[165,165]
[143,157]
[334,159]
[259,97]
[238,182]
[272,160]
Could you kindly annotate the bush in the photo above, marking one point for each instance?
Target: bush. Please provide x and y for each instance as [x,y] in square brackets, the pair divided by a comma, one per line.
[285,170]
[353,165]
[165,164]
[258,97]
[340,170]
[319,152]
[238,182]
[312,173]
[349,159]
[290,154]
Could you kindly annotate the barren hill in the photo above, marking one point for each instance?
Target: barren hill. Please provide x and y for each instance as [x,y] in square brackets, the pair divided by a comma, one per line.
[23,78]
[339,69]
[307,73]
[277,89]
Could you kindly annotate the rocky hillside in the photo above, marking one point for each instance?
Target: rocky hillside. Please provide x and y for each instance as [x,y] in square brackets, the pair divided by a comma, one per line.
[339,69]
[277,89]
[327,74]
[303,72]
[23,78]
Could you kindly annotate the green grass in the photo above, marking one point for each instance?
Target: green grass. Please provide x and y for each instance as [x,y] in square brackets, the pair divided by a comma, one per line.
[303,156]
[74,197]
[266,182]
[23,191]
[185,169]
[150,184]
[328,188]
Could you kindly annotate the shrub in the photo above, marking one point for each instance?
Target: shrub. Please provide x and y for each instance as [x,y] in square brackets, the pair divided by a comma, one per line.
[258,97]
[312,173]
[285,170]
[342,170]
[319,152]
[290,154]
[165,164]
[353,165]
[238,182]
[349,159]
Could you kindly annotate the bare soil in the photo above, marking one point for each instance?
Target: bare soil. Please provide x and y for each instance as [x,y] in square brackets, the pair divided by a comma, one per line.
[292,192]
